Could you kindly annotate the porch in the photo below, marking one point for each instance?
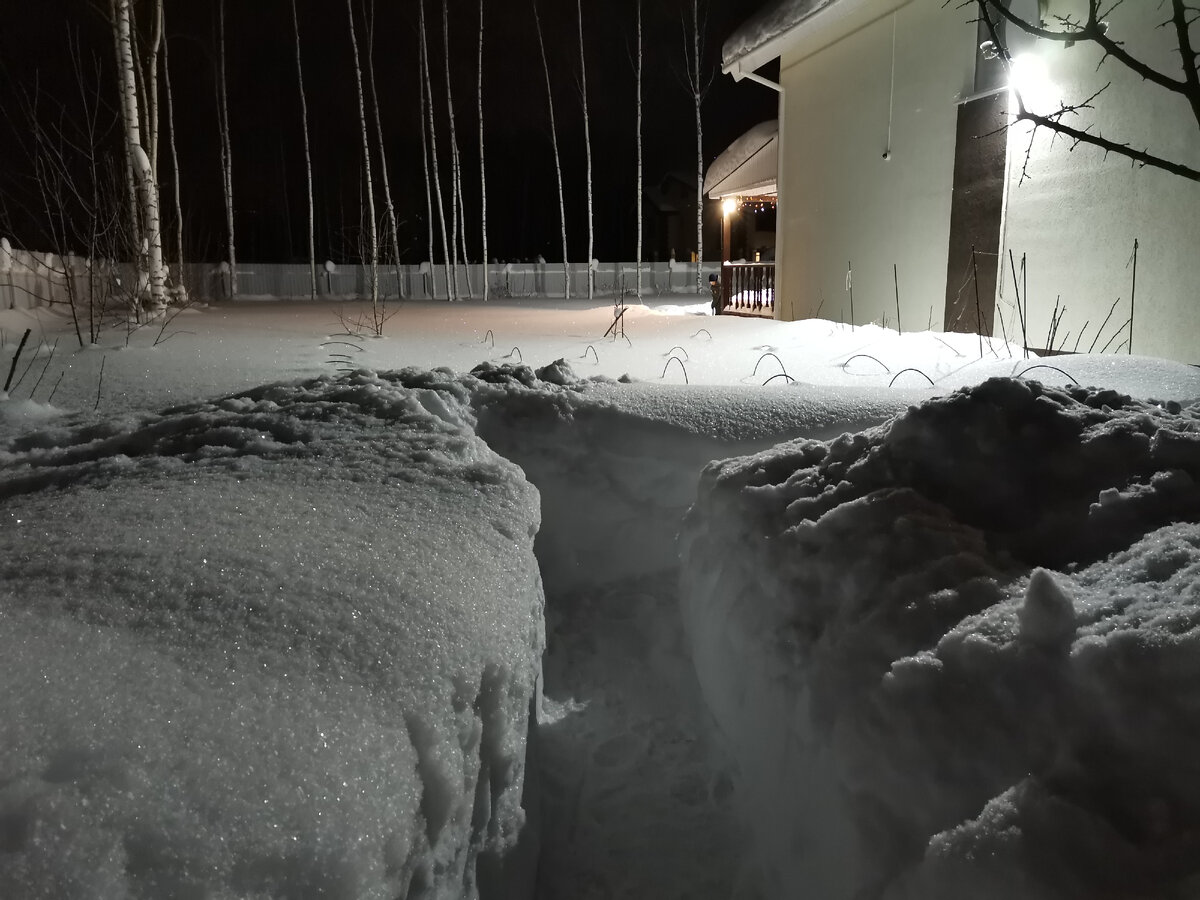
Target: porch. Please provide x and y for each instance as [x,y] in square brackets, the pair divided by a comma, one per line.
[745,289]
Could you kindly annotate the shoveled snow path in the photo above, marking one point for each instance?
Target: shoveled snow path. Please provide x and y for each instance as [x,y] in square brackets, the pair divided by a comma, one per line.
[634,803]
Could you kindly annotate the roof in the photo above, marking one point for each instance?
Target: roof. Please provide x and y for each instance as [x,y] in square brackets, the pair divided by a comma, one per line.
[755,42]
[781,24]
[749,166]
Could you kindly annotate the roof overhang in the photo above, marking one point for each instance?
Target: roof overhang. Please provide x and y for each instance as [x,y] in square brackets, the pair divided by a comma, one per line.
[779,27]
[748,167]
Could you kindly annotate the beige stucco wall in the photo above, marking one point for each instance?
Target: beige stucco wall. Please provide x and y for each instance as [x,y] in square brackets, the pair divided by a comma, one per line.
[841,201]
[1076,214]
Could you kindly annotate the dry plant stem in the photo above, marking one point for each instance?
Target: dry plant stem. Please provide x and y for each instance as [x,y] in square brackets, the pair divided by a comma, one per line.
[896,280]
[1046,366]
[13,368]
[910,369]
[681,365]
[776,358]
[685,353]
[1132,294]
[869,356]
[99,383]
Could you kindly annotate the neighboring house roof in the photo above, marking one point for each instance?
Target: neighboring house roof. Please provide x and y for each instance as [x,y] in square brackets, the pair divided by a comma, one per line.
[756,42]
[749,166]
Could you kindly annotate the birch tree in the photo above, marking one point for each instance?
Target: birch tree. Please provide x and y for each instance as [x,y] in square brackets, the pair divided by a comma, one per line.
[455,161]
[372,233]
[562,210]
[147,189]
[587,141]
[482,167]
[389,207]
[433,154]
[312,242]
[639,151]
[697,85]
[226,148]
[425,149]
[174,158]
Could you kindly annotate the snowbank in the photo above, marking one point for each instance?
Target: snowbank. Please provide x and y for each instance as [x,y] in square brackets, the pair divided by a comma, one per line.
[282,643]
[957,655]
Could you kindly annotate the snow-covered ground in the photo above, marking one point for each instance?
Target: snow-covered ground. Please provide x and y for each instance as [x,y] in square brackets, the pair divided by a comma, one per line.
[273,610]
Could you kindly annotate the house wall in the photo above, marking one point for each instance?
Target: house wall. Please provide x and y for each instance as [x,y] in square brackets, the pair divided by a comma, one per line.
[1076,214]
[841,201]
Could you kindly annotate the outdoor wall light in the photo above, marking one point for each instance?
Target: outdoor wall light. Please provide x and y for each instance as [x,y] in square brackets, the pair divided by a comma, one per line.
[729,205]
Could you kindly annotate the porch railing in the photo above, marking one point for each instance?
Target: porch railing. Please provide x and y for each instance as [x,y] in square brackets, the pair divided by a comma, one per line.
[747,289]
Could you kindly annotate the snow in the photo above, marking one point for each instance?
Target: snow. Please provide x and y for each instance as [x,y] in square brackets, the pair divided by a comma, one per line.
[276,594]
[767,25]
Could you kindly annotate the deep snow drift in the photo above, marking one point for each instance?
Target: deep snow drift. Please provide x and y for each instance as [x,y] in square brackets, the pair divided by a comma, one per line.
[242,655]
[959,654]
[286,642]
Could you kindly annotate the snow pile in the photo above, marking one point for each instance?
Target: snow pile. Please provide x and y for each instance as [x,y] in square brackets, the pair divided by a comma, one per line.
[284,643]
[958,654]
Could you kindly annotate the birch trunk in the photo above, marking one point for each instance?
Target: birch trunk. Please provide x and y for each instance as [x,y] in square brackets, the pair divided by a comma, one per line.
[152,89]
[425,157]
[433,155]
[696,79]
[372,235]
[390,208]
[482,168]
[639,151]
[147,189]
[312,242]
[455,173]
[174,156]
[587,140]
[226,150]
[131,182]
[562,210]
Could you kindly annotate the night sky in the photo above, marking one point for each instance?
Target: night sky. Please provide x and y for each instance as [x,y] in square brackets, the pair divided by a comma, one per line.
[268,152]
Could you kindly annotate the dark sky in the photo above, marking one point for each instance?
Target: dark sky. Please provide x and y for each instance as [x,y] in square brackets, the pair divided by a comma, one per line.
[268,161]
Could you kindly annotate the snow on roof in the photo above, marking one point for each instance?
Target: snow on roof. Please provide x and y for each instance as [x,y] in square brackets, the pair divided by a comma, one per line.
[766,26]
[750,165]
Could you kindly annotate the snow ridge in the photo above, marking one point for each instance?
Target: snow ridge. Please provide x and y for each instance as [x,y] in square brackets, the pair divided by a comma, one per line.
[929,646]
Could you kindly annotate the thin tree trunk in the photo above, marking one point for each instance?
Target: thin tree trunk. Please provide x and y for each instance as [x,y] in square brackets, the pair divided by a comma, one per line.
[696,77]
[174,158]
[587,140]
[312,243]
[455,176]
[482,168]
[383,166]
[226,150]
[437,178]
[152,89]
[147,189]
[372,235]
[562,209]
[425,153]
[639,151]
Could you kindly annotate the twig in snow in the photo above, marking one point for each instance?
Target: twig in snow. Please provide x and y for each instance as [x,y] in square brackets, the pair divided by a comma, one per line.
[865,356]
[516,350]
[488,335]
[1132,294]
[910,369]
[764,356]
[595,355]
[49,359]
[1046,366]
[896,279]
[677,347]
[50,399]
[706,331]
[681,365]
[99,383]
[1129,323]
[13,368]
[1111,310]
[790,379]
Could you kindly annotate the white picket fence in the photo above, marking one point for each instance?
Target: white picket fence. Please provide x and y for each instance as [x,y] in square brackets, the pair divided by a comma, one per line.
[29,279]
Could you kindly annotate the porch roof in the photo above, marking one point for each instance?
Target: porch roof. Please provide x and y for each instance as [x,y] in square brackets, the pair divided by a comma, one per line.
[749,166]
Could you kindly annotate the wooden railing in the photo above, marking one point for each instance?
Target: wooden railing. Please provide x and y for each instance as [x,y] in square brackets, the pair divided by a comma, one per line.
[747,289]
